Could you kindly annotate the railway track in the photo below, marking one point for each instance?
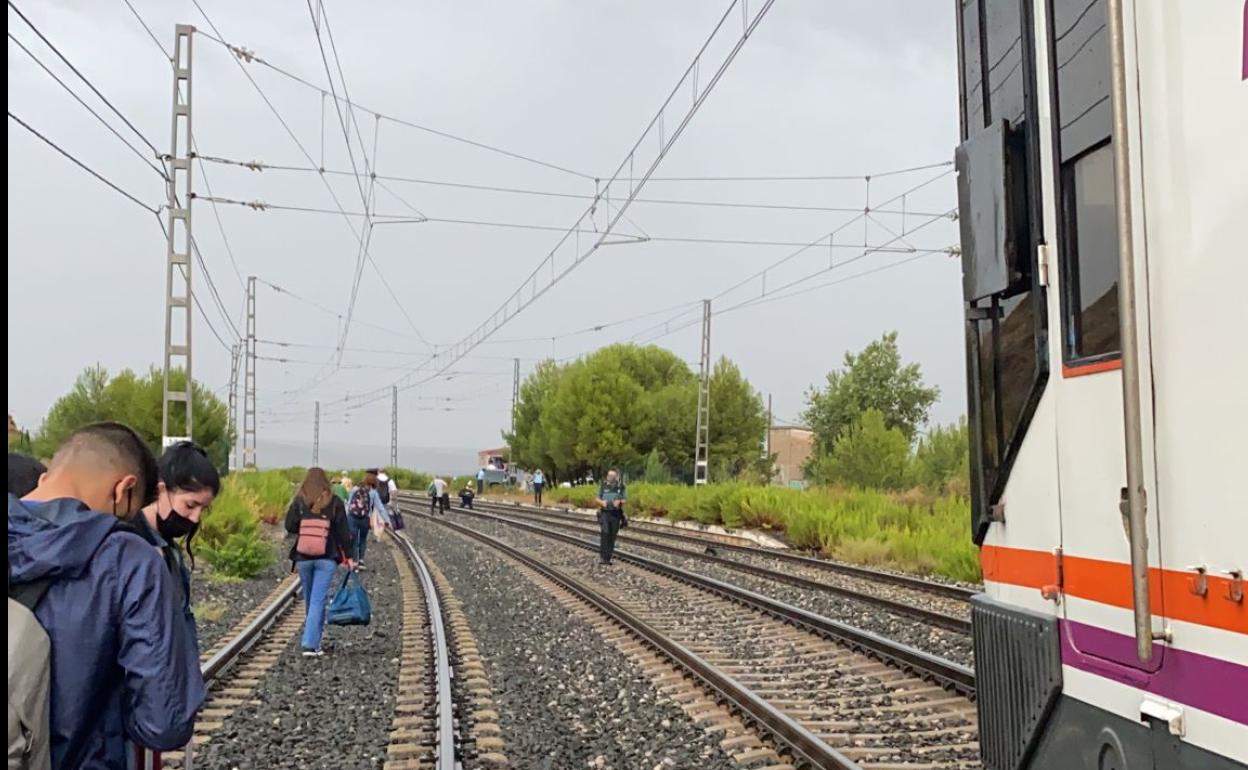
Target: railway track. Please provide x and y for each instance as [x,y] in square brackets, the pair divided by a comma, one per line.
[827,695]
[745,548]
[424,731]
[937,608]
[235,666]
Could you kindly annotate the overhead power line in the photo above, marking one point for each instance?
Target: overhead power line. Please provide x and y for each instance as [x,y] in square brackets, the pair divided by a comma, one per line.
[621,188]
[240,55]
[249,56]
[85,167]
[76,71]
[89,109]
[255,165]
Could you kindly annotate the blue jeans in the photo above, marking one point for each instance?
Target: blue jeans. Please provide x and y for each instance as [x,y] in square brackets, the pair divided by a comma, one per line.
[360,526]
[315,576]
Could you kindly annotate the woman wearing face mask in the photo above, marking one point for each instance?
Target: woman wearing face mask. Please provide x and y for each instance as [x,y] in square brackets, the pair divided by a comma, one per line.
[188,484]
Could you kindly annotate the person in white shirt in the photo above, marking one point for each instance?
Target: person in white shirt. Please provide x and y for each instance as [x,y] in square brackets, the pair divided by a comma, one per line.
[440,495]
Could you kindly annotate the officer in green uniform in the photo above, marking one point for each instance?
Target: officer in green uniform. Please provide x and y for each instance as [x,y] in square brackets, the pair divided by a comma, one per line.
[611,498]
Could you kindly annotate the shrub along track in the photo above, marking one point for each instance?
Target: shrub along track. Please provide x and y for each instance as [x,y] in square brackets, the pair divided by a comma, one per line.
[828,695]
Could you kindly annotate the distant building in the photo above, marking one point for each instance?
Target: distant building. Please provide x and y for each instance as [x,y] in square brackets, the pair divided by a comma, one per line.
[495,457]
[792,445]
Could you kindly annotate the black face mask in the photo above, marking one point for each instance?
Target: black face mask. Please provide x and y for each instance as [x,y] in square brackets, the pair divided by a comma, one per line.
[175,525]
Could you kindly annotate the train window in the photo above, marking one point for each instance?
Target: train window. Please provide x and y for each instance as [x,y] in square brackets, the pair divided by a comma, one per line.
[1007,366]
[1004,76]
[1089,254]
[973,93]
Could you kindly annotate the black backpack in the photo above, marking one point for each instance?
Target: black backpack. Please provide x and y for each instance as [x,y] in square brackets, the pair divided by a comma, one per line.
[360,505]
[383,491]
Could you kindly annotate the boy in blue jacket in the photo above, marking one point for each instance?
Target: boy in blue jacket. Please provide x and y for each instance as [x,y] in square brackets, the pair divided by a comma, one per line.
[123,663]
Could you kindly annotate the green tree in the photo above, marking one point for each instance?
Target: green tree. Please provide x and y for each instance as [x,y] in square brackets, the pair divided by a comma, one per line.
[633,407]
[738,421]
[135,401]
[873,379]
[942,459]
[868,454]
[529,444]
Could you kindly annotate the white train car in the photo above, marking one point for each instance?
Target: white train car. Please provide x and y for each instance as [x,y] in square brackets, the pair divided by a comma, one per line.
[1103,185]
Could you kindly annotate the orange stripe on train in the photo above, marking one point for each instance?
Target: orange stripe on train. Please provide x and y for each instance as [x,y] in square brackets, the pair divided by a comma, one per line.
[1109,582]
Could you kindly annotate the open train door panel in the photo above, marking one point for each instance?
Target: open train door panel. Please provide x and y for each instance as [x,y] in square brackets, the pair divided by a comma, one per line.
[1099,631]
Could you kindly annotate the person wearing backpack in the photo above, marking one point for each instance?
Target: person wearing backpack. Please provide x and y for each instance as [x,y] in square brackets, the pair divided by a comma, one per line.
[98,650]
[318,519]
[361,506]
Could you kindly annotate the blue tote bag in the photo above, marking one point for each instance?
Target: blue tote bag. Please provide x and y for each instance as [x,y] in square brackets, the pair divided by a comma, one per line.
[350,605]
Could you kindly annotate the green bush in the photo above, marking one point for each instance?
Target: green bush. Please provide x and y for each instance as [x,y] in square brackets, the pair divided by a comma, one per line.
[868,454]
[243,555]
[232,512]
[271,492]
[916,531]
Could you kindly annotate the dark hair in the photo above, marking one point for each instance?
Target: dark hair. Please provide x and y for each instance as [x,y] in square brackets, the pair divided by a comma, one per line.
[370,480]
[185,467]
[24,473]
[134,454]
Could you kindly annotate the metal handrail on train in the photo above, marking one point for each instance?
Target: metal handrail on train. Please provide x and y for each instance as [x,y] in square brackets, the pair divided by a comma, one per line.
[1135,500]
[803,742]
[442,656]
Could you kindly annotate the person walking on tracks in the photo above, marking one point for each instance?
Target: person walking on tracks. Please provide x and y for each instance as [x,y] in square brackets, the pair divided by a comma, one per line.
[98,652]
[539,483]
[611,498]
[361,506]
[439,494]
[318,519]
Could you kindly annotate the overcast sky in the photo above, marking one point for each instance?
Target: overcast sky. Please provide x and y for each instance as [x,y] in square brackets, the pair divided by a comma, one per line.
[820,89]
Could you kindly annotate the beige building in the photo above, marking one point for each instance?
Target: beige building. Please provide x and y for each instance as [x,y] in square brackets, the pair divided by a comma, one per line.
[792,445]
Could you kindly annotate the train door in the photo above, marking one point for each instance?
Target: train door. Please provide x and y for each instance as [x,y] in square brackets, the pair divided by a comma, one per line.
[1095,562]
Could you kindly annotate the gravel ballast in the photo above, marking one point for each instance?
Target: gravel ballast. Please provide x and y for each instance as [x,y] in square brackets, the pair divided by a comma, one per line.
[332,712]
[899,720]
[944,643]
[219,605]
[566,697]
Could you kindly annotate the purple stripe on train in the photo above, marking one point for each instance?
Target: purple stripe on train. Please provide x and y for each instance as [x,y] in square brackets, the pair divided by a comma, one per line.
[1209,684]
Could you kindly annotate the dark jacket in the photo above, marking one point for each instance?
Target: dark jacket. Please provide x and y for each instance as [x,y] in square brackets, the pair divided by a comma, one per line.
[176,562]
[338,544]
[123,663]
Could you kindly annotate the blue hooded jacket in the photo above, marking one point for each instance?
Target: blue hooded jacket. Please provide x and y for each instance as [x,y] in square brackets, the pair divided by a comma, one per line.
[123,663]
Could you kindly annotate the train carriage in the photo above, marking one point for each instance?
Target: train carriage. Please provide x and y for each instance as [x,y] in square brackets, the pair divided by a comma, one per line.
[1103,190]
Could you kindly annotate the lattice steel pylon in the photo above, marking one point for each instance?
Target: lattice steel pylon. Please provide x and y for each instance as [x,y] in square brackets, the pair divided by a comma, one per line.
[178,242]
[701,452]
[232,417]
[394,426]
[515,394]
[316,436]
[249,380]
